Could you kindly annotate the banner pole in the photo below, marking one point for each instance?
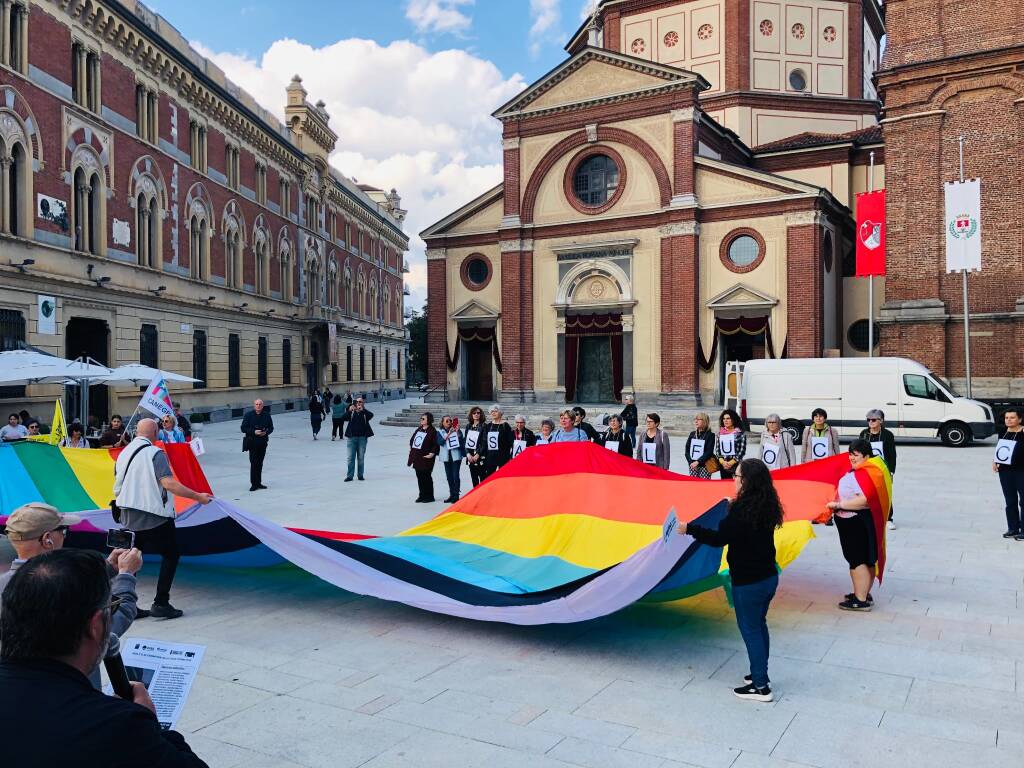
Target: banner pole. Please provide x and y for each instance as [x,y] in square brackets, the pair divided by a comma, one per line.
[871,278]
[967,311]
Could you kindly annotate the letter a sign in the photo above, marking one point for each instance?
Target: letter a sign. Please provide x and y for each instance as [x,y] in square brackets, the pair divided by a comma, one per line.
[871,233]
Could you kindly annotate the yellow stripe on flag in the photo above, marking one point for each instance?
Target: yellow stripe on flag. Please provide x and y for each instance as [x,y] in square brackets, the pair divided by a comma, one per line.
[94,471]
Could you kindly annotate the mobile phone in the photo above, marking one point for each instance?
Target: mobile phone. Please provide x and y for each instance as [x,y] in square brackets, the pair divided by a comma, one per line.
[118,538]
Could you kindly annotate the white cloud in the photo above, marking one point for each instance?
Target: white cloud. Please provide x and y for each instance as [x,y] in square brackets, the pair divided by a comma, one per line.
[438,15]
[546,15]
[406,118]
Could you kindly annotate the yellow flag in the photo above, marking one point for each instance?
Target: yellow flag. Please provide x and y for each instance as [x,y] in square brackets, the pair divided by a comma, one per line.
[59,430]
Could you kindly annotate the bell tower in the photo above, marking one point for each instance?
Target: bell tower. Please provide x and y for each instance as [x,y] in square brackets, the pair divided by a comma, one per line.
[309,124]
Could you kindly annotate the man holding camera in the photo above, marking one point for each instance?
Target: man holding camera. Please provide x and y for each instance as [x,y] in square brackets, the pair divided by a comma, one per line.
[145,487]
[36,528]
[54,629]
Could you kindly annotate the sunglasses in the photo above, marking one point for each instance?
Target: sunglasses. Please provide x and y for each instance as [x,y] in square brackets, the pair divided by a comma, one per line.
[874,420]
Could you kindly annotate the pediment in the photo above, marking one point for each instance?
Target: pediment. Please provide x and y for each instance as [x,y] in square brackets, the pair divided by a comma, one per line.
[595,75]
[476,215]
[742,296]
[475,310]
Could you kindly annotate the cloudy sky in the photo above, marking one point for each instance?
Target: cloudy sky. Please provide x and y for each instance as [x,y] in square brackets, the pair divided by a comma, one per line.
[409,84]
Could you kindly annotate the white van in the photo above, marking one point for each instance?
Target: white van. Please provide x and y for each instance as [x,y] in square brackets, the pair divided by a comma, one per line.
[916,402]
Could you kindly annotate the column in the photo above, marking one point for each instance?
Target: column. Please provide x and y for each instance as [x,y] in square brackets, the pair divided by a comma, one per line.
[81,79]
[145,257]
[680,284]
[5,33]
[510,147]
[140,111]
[86,216]
[627,354]
[23,38]
[5,195]
[437,318]
[805,310]
[517,320]
[684,147]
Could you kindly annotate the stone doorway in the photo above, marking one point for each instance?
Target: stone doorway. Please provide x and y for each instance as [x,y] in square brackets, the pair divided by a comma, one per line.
[594,382]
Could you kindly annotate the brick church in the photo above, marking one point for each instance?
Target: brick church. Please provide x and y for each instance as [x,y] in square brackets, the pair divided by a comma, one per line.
[679,193]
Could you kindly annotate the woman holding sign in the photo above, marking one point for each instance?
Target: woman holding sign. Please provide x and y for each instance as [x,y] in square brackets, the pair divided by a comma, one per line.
[497,447]
[1009,463]
[653,447]
[777,449]
[700,448]
[547,432]
[749,532]
[452,448]
[423,449]
[882,444]
[473,444]
[616,438]
[819,440]
[522,438]
[731,443]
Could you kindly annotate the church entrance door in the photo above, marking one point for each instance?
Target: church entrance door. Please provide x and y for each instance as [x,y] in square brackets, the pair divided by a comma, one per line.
[479,378]
[593,358]
[595,383]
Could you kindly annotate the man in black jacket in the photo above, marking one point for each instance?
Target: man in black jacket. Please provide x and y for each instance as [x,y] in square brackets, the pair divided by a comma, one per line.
[53,630]
[357,431]
[257,425]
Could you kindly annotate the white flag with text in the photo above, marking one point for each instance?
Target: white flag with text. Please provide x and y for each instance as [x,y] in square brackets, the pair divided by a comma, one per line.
[963,225]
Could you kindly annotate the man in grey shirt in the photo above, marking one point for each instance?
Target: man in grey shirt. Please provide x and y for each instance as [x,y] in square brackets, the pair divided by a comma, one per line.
[144,485]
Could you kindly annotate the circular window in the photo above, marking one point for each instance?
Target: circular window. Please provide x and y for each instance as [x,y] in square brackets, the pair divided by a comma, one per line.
[704,31]
[671,38]
[798,31]
[595,180]
[476,271]
[798,80]
[829,33]
[767,28]
[827,252]
[857,335]
[742,250]
[638,46]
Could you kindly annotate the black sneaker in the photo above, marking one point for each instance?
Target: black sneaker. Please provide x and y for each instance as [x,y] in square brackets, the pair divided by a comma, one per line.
[1011,534]
[165,611]
[261,487]
[750,693]
[348,479]
[749,680]
[141,613]
[852,596]
[253,488]
[855,605]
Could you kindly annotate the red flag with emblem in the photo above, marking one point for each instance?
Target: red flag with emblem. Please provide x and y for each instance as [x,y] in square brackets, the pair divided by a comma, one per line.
[871,233]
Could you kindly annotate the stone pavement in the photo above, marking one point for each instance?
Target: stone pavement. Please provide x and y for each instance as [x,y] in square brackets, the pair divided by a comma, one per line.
[299,673]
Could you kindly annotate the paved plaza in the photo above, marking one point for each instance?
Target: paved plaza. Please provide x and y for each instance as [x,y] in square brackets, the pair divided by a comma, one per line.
[299,673]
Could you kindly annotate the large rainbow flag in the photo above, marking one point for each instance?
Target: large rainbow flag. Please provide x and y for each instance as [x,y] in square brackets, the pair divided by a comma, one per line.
[565,532]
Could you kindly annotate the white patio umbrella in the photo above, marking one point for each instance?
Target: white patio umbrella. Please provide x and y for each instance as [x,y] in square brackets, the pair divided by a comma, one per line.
[24,366]
[136,373]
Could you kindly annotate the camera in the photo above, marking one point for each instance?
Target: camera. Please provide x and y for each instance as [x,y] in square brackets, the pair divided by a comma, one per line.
[120,538]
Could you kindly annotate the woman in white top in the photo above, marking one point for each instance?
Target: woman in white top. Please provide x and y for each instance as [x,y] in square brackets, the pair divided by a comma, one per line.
[76,437]
[777,449]
[856,531]
[568,432]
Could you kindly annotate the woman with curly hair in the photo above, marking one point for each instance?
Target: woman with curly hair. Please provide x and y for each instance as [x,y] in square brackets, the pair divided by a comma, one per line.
[749,531]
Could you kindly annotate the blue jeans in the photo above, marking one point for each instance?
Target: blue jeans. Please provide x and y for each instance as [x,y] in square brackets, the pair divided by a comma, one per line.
[356,448]
[751,602]
[451,472]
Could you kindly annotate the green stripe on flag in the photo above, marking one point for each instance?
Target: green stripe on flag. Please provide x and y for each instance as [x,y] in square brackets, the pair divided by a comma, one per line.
[53,477]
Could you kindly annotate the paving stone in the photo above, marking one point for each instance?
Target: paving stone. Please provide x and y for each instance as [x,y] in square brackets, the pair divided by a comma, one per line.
[589,729]
[691,751]
[594,755]
[939,728]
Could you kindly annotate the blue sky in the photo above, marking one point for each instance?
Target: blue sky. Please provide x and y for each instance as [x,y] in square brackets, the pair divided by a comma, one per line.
[410,84]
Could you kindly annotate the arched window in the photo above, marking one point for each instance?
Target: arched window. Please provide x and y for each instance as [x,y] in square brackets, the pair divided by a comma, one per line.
[386,305]
[199,243]
[349,305]
[360,296]
[15,189]
[87,209]
[314,290]
[260,251]
[232,253]
[284,257]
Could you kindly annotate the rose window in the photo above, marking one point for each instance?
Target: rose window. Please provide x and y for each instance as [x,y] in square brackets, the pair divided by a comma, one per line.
[704,31]
[671,38]
[767,28]
[829,34]
[638,46]
[799,31]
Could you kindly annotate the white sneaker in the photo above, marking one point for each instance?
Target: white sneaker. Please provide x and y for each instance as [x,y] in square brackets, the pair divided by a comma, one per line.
[892,525]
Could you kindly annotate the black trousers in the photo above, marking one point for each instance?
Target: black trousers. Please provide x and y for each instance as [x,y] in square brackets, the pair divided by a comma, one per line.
[476,473]
[257,453]
[337,427]
[425,480]
[163,541]
[1012,483]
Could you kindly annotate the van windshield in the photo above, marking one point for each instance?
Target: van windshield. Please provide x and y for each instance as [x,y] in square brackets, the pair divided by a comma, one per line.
[947,385]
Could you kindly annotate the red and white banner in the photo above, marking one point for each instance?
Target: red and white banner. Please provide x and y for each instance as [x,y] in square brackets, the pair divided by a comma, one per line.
[871,233]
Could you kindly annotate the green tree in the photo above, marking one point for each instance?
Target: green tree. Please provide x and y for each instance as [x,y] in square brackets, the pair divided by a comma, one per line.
[416,370]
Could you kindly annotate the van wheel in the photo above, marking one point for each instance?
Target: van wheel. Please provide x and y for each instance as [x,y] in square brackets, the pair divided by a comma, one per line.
[956,434]
[794,428]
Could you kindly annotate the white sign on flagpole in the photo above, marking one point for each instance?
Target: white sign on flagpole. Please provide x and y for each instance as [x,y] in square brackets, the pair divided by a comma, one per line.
[156,399]
[963,225]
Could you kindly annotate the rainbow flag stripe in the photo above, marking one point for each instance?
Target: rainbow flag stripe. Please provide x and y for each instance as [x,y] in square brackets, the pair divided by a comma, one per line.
[875,483]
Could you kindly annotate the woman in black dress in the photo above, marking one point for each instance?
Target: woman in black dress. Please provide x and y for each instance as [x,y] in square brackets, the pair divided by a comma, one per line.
[474,444]
[616,438]
[749,532]
[423,448]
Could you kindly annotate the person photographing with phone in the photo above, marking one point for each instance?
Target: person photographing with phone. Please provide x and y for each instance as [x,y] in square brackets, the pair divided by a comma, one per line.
[54,629]
[145,487]
[36,528]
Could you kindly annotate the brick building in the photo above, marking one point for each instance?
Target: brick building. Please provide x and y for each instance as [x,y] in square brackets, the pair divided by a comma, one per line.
[676,193]
[951,70]
[156,213]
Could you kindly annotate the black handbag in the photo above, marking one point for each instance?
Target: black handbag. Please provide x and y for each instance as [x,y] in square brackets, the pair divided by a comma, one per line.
[115,511]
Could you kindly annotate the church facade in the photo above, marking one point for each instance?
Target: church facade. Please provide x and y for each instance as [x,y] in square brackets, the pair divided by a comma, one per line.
[677,193]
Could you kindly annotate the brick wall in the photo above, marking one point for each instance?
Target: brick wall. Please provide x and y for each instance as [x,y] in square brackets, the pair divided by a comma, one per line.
[679,303]
[804,291]
[437,323]
[511,196]
[517,321]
